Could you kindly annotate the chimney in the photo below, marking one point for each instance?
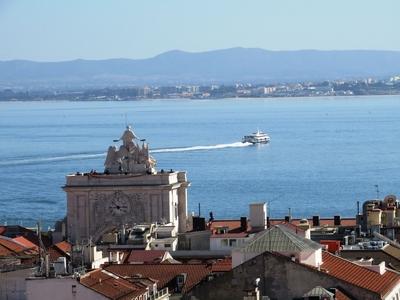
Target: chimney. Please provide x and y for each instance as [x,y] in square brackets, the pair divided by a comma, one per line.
[199,224]
[287,219]
[243,224]
[258,215]
[315,221]
[336,221]
[381,268]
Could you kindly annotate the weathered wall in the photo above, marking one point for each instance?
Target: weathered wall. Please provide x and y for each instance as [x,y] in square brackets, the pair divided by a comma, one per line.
[13,284]
[59,289]
[280,278]
[196,240]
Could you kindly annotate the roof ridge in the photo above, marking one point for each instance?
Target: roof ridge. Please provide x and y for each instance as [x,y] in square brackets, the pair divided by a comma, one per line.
[295,237]
[349,261]
[383,292]
[279,236]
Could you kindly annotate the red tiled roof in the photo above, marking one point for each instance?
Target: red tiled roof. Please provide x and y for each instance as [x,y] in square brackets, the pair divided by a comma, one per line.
[231,224]
[234,229]
[322,221]
[111,286]
[222,265]
[230,235]
[26,243]
[64,246]
[340,296]
[61,249]
[145,256]
[10,247]
[164,273]
[357,275]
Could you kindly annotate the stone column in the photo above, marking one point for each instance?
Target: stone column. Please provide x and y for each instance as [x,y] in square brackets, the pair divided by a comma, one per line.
[182,202]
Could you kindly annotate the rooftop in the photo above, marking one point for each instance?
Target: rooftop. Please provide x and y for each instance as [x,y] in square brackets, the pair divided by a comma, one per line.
[279,238]
[61,249]
[9,247]
[145,256]
[26,243]
[324,222]
[111,286]
[357,275]
[164,273]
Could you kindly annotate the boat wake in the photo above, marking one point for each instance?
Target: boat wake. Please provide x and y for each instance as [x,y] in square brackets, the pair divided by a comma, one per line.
[199,148]
[44,160]
[41,160]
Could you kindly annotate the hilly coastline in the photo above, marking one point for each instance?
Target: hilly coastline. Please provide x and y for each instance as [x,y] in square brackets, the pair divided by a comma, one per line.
[219,66]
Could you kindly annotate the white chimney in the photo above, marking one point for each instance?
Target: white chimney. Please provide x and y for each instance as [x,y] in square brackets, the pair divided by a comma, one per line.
[258,215]
[381,268]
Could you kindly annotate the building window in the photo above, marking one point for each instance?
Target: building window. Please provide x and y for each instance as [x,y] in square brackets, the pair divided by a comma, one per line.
[167,245]
[224,242]
[232,242]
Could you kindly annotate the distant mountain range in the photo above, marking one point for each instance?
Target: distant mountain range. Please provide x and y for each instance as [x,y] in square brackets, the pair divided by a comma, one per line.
[220,66]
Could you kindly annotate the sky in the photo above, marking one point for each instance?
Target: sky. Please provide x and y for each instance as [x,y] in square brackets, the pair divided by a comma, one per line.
[56,30]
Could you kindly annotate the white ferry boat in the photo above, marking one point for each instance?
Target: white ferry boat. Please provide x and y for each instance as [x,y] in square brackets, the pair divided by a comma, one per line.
[258,137]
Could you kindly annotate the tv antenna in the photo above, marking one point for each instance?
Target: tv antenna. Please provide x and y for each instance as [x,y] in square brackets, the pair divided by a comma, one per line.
[377,191]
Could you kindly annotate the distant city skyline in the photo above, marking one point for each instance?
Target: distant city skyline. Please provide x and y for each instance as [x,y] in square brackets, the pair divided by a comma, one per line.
[99,29]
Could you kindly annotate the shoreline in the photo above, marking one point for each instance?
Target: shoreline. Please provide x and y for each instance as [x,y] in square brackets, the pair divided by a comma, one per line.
[204,99]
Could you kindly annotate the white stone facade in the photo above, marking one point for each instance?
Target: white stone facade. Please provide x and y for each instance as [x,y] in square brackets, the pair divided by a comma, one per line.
[129,192]
[97,203]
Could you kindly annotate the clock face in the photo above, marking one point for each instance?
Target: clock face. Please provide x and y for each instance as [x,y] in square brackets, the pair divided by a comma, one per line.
[119,204]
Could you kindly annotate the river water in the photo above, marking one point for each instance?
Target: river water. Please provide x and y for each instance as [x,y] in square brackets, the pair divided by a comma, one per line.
[325,153]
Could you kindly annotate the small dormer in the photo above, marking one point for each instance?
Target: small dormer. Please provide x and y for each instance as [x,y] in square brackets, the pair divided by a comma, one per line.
[180,281]
[222,230]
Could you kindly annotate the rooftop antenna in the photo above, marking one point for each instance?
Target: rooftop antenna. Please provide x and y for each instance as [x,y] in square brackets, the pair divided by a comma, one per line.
[199,209]
[377,191]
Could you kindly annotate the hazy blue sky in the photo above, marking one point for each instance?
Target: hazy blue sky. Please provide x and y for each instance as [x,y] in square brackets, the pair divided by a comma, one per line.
[51,30]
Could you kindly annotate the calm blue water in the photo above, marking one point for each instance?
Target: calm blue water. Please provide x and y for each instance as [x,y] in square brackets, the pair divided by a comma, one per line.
[324,155]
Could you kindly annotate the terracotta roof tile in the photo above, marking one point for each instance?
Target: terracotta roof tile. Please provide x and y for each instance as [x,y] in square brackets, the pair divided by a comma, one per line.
[64,246]
[340,296]
[222,265]
[10,247]
[164,273]
[233,225]
[5,251]
[112,286]
[357,275]
[229,235]
[26,243]
[145,256]
[322,221]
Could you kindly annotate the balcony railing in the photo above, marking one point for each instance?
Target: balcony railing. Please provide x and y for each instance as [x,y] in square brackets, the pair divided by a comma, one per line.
[159,294]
